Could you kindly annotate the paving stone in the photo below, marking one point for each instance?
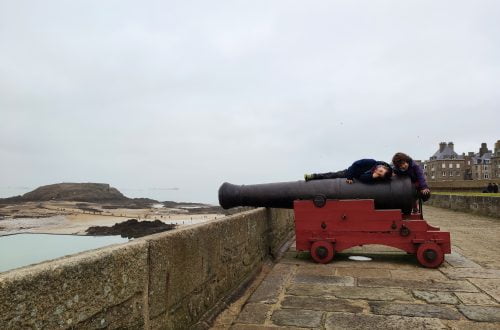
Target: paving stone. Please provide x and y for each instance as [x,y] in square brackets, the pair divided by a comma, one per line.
[481,313]
[457,260]
[322,304]
[418,274]
[490,286]
[419,310]
[319,279]
[297,318]
[364,272]
[480,299]
[254,313]
[347,292]
[429,285]
[469,325]
[457,273]
[270,289]
[340,321]
[436,297]
[324,270]
[259,327]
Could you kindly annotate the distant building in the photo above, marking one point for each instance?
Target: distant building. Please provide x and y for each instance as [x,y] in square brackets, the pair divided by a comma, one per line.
[481,163]
[495,161]
[448,165]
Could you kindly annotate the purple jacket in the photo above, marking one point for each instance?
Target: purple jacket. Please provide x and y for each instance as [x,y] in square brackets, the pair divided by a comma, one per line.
[415,173]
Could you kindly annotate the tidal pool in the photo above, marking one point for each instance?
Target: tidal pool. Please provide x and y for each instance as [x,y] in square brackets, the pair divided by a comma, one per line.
[26,249]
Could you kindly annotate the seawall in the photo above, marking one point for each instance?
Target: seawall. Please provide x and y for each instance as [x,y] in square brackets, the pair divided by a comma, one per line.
[172,280]
[482,205]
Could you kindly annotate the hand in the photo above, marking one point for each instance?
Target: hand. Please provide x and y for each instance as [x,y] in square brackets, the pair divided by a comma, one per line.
[349,181]
[425,191]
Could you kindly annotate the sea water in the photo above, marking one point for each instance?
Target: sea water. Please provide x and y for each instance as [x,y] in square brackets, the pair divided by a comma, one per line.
[26,249]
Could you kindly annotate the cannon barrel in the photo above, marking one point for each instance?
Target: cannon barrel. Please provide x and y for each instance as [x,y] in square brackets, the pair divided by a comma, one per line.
[398,193]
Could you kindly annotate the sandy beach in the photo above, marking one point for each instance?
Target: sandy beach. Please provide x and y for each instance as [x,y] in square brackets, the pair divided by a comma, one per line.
[60,217]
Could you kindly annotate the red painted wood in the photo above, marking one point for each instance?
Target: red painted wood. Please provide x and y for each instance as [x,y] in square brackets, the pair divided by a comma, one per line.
[349,223]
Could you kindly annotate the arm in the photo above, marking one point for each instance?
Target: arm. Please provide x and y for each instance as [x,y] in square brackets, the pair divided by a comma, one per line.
[422,182]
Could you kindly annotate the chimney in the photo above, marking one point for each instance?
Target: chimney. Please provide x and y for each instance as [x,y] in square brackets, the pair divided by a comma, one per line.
[442,145]
[483,149]
[451,145]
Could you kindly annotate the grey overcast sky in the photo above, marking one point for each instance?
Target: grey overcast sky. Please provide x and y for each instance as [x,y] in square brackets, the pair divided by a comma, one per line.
[151,95]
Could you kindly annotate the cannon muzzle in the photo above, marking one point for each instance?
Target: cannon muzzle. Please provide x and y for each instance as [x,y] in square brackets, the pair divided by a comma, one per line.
[398,193]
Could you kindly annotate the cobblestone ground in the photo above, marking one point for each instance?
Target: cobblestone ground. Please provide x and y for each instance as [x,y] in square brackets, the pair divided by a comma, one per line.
[390,292]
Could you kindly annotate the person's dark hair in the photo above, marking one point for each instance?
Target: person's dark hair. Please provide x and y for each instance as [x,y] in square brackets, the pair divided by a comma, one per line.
[388,174]
[400,158]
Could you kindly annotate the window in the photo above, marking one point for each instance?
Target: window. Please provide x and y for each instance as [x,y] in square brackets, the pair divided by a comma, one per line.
[451,173]
[468,162]
[485,167]
[443,165]
[486,176]
[451,165]
[458,166]
[443,174]
[458,173]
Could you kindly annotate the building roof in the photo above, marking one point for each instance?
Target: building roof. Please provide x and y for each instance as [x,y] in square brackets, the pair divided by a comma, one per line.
[446,153]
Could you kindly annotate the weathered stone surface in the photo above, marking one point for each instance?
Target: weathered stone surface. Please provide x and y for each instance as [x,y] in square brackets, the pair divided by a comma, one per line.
[346,292]
[316,269]
[430,285]
[297,318]
[341,321]
[436,297]
[490,286]
[254,313]
[322,304]
[470,325]
[269,290]
[319,279]
[363,272]
[261,327]
[420,274]
[72,290]
[481,313]
[477,298]
[457,260]
[419,310]
[458,273]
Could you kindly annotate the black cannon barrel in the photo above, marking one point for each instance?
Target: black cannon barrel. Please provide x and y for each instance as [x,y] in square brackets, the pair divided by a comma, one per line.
[398,193]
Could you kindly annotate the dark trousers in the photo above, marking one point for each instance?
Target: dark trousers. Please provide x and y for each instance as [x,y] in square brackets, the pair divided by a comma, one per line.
[330,175]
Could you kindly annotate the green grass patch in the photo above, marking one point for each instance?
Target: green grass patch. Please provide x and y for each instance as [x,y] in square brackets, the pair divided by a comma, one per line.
[465,193]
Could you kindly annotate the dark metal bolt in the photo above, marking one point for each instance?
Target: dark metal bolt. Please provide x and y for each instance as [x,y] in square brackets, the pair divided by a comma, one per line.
[430,255]
[321,252]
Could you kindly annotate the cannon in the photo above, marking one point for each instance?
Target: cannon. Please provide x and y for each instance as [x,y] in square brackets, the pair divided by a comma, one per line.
[332,215]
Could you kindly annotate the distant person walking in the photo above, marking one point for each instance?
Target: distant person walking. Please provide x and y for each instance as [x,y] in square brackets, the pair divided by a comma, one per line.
[495,188]
[489,188]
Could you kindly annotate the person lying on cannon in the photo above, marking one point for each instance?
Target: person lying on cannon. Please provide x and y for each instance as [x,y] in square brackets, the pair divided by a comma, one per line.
[405,166]
[364,170]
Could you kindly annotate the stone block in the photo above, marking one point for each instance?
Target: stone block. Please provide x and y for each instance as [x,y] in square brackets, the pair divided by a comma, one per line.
[437,297]
[297,318]
[481,313]
[66,292]
[254,313]
[346,292]
[490,286]
[430,285]
[341,321]
[323,304]
[475,298]
[415,310]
